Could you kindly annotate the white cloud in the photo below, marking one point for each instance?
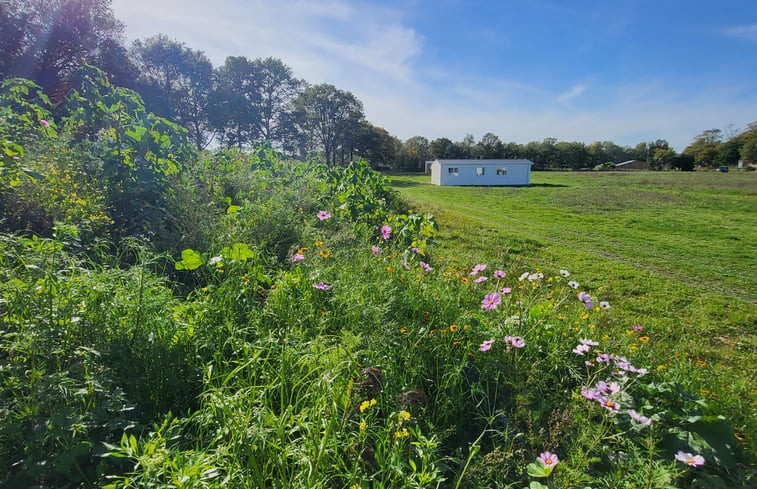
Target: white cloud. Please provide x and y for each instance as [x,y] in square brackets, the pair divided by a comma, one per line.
[566,97]
[372,51]
[336,42]
[743,32]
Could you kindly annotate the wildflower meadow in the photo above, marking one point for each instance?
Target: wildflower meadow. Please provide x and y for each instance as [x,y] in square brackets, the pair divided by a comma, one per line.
[237,319]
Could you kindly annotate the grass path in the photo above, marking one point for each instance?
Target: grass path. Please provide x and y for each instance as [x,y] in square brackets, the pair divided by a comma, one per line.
[673,251]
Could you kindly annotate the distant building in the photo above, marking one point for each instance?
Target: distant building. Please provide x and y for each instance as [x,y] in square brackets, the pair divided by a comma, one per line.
[481,172]
[632,165]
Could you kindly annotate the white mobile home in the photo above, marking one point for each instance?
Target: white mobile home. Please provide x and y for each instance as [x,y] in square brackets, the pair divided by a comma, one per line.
[481,172]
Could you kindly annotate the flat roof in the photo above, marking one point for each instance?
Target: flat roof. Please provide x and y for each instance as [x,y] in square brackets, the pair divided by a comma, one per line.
[485,162]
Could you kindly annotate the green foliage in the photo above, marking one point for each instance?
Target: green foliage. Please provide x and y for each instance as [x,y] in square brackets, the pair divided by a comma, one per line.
[360,193]
[24,117]
[289,350]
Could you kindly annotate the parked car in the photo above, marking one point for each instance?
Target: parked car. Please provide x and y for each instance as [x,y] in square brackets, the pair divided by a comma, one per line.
[724,169]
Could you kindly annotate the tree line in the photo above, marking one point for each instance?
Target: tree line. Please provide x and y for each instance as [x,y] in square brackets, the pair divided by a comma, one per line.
[247,101]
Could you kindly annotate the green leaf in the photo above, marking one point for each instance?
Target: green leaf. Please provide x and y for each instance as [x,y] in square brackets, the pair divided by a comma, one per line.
[537,485]
[190,260]
[536,469]
[238,252]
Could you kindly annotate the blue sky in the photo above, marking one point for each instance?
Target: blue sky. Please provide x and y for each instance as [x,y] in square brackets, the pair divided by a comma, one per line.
[575,70]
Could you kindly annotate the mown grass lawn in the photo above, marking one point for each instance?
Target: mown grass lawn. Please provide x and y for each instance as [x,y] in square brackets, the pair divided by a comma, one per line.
[676,252]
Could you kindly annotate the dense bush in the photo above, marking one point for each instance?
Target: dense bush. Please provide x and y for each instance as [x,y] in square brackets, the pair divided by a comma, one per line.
[285,324]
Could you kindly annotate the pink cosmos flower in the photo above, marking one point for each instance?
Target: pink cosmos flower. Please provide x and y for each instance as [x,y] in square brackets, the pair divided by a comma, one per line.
[506,290]
[690,459]
[298,257]
[44,122]
[478,268]
[603,358]
[585,341]
[321,286]
[499,274]
[491,301]
[638,327]
[548,459]
[581,349]
[516,341]
[386,232]
[481,279]
[590,393]
[639,418]
[609,404]
[486,345]
[416,249]
[608,389]
[426,266]
[375,250]
[323,215]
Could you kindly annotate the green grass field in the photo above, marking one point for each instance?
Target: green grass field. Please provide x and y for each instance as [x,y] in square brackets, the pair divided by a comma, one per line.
[677,252]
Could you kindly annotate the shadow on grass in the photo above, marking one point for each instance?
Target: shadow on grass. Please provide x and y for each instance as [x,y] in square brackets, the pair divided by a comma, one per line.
[405,183]
[548,185]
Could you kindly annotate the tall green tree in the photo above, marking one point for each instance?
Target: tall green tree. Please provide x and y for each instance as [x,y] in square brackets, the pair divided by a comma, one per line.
[277,90]
[573,155]
[377,146]
[442,149]
[663,158]
[175,82]
[465,148]
[48,40]
[489,147]
[705,147]
[749,151]
[16,26]
[330,118]
[415,153]
[233,108]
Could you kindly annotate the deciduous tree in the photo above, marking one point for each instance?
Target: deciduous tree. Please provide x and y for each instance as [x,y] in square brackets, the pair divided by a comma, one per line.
[175,82]
[274,104]
[47,41]
[329,117]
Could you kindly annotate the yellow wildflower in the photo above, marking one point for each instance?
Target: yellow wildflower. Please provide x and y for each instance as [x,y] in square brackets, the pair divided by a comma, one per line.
[404,416]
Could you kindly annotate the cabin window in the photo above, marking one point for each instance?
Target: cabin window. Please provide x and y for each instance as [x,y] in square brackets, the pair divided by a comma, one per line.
[480,171]
[501,171]
[452,171]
